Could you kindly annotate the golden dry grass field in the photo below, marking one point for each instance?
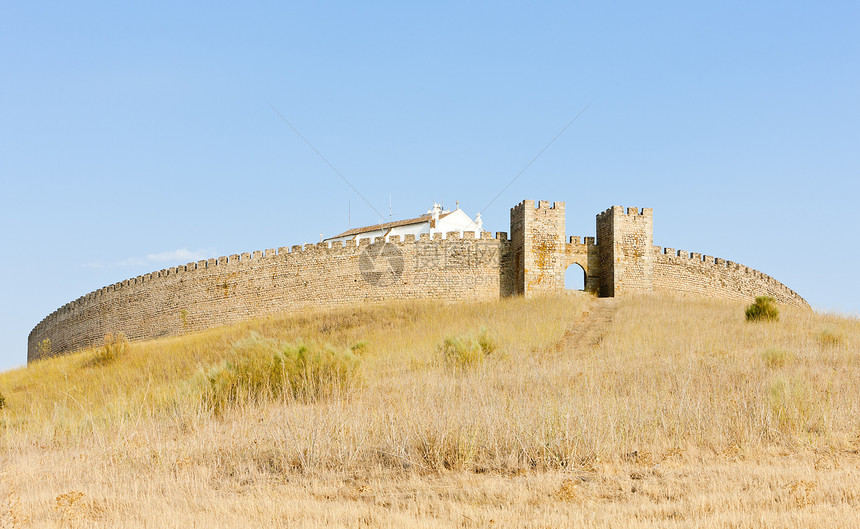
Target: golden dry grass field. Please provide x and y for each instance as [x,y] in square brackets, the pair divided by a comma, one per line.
[565,411]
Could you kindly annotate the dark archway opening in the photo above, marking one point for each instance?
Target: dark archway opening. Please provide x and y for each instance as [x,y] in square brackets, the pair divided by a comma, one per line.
[574,277]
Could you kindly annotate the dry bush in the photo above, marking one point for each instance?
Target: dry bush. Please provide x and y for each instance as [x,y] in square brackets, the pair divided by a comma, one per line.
[44,348]
[115,347]
[775,357]
[828,338]
[793,403]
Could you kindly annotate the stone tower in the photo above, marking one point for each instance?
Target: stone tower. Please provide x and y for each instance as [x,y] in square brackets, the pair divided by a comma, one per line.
[625,249]
[537,247]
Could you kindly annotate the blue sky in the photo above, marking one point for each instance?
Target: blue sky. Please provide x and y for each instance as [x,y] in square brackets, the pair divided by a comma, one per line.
[137,136]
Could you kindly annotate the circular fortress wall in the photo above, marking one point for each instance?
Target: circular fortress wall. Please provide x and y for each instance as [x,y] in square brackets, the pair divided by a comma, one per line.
[681,271]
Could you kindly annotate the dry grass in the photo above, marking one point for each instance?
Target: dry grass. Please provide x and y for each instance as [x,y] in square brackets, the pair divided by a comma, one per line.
[681,415]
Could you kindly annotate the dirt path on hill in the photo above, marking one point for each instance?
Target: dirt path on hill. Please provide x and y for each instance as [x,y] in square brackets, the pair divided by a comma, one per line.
[591,327]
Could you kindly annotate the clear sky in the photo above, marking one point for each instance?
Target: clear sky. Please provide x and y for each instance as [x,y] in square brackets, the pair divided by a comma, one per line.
[137,136]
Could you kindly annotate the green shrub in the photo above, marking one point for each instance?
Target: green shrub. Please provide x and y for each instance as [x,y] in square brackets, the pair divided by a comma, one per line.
[264,368]
[2,401]
[775,358]
[467,351]
[764,309]
[115,346]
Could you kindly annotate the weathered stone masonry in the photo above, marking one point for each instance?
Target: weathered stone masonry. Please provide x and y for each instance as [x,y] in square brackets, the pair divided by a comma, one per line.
[457,267]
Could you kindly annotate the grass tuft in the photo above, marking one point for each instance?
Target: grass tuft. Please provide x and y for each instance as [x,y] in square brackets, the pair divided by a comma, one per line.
[264,368]
[764,309]
[828,338]
[115,347]
[775,358]
[467,352]
[792,403]
[359,347]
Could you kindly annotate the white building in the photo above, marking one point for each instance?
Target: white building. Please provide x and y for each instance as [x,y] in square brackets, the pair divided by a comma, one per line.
[434,221]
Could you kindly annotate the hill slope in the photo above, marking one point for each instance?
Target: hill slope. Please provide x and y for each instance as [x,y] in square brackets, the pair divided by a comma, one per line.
[564,411]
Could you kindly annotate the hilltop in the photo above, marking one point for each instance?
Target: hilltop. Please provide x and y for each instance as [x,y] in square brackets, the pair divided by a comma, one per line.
[560,410]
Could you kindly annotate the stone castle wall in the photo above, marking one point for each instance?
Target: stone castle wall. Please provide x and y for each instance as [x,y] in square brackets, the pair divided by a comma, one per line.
[456,267]
[693,273]
[230,289]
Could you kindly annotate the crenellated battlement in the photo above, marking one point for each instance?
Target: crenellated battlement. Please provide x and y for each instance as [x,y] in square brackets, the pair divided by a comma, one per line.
[630,212]
[681,270]
[584,241]
[525,205]
[545,204]
[624,240]
[299,257]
